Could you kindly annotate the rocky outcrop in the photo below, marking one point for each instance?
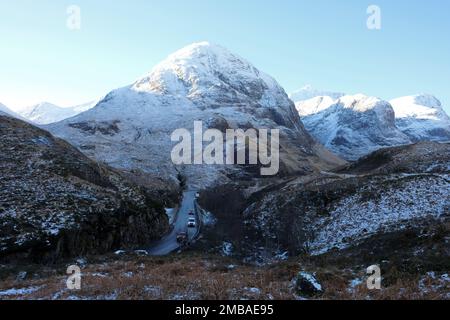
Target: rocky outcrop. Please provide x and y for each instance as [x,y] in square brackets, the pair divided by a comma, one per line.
[306,285]
[55,202]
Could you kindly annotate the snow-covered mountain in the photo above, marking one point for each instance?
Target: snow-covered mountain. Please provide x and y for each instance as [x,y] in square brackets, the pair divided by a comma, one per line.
[132,126]
[417,118]
[46,113]
[422,118]
[308,92]
[4,110]
[351,126]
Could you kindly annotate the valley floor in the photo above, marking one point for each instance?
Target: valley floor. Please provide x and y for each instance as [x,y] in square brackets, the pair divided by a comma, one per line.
[414,266]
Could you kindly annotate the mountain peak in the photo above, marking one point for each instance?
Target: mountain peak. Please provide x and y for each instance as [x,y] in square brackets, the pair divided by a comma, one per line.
[46,112]
[201,82]
[351,126]
[204,70]
[362,103]
[199,48]
[422,106]
[422,117]
[44,105]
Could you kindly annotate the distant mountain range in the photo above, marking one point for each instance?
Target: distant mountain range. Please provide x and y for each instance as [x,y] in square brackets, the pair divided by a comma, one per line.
[353,126]
[350,126]
[46,113]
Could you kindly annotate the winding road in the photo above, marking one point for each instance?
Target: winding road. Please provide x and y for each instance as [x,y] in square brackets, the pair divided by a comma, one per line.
[168,243]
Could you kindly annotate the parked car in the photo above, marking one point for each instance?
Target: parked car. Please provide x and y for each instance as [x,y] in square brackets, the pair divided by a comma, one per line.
[182,238]
[192,223]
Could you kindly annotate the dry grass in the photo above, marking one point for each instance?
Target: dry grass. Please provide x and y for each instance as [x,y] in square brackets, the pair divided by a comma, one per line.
[189,276]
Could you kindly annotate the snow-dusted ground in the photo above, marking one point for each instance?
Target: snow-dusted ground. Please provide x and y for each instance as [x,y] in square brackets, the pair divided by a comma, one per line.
[18,292]
[382,207]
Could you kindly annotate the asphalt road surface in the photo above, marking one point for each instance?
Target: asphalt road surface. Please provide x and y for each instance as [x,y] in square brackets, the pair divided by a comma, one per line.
[168,243]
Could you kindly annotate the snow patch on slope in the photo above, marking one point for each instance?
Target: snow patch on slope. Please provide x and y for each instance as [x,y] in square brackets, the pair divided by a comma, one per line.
[19,292]
[314,105]
[390,208]
[422,117]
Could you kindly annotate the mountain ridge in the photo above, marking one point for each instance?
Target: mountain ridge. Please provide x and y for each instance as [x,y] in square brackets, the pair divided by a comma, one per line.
[55,202]
[418,118]
[45,113]
[354,126]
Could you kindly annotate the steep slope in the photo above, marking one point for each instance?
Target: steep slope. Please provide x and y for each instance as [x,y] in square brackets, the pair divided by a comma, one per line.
[421,157]
[422,118]
[55,202]
[352,126]
[308,92]
[132,126]
[388,192]
[46,113]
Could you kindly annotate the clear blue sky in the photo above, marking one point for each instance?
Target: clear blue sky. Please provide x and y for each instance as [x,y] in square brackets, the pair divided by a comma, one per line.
[324,43]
